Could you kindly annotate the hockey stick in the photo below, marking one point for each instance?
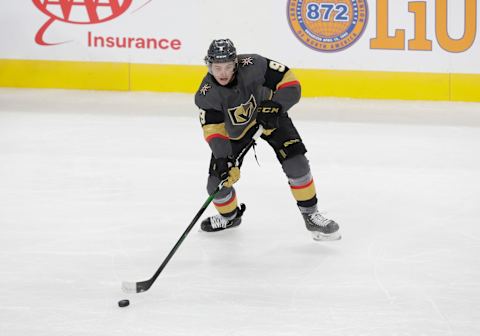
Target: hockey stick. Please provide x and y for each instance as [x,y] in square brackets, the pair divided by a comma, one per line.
[143,286]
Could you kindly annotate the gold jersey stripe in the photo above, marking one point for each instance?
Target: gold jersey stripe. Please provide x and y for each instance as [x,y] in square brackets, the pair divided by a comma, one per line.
[211,130]
[218,130]
[288,77]
[245,130]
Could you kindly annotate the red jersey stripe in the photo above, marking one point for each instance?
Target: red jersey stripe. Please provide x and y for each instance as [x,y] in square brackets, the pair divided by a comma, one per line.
[287,84]
[216,135]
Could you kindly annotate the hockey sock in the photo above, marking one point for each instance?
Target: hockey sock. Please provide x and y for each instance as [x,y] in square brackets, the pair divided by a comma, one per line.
[303,190]
[227,206]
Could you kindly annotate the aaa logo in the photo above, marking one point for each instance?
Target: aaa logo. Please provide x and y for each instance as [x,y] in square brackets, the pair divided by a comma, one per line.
[327,26]
[78,12]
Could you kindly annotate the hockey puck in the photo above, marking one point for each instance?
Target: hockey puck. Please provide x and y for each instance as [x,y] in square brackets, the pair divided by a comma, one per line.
[123,303]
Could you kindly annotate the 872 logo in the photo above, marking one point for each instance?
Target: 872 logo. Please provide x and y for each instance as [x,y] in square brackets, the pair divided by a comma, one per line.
[327,25]
[324,11]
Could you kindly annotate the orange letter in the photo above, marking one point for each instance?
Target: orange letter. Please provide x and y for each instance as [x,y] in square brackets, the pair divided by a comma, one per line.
[383,40]
[466,41]
[420,41]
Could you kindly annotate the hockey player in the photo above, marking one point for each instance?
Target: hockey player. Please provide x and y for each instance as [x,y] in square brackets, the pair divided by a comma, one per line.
[238,93]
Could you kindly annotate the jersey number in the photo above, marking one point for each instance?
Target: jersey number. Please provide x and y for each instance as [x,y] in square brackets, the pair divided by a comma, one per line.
[276,66]
[202,117]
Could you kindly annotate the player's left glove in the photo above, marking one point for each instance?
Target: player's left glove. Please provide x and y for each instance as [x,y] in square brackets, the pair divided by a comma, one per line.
[269,114]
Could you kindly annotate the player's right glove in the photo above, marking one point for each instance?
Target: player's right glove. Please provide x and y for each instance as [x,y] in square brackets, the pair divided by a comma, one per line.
[269,114]
[224,168]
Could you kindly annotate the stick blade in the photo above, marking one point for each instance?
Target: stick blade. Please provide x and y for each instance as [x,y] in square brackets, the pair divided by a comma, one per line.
[129,287]
[136,287]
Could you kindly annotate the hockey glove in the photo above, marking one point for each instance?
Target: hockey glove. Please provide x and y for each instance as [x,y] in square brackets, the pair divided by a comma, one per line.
[224,168]
[269,114]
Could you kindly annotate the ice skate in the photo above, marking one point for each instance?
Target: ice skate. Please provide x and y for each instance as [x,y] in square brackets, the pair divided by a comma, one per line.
[322,229]
[219,222]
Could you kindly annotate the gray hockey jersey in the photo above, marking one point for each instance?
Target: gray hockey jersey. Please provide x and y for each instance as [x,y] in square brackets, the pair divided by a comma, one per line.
[228,112]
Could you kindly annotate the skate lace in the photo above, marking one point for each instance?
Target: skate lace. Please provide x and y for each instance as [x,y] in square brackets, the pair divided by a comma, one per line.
[218,221]
[318,219]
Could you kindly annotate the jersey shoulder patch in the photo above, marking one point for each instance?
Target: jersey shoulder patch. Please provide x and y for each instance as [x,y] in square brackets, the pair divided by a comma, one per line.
[245,61]
[250,61]
[204,89]
[206,96]
[251,67]
[205,86]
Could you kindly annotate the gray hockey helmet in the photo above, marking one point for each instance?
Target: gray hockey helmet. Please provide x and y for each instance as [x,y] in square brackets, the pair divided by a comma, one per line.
[221,51]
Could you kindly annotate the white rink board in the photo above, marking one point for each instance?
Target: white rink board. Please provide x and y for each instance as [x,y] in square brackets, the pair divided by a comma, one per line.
[255,26]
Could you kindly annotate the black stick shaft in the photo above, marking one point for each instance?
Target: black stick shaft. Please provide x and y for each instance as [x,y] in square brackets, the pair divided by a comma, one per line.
[145,285]
[183,236]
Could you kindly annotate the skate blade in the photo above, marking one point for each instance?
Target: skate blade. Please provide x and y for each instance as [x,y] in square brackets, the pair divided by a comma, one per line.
[318,236]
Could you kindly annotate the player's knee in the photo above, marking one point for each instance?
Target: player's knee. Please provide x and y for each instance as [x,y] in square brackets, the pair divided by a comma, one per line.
[290,149]
[296,166]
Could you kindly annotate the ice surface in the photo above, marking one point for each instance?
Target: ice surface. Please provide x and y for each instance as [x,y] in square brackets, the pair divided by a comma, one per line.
[96,187]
